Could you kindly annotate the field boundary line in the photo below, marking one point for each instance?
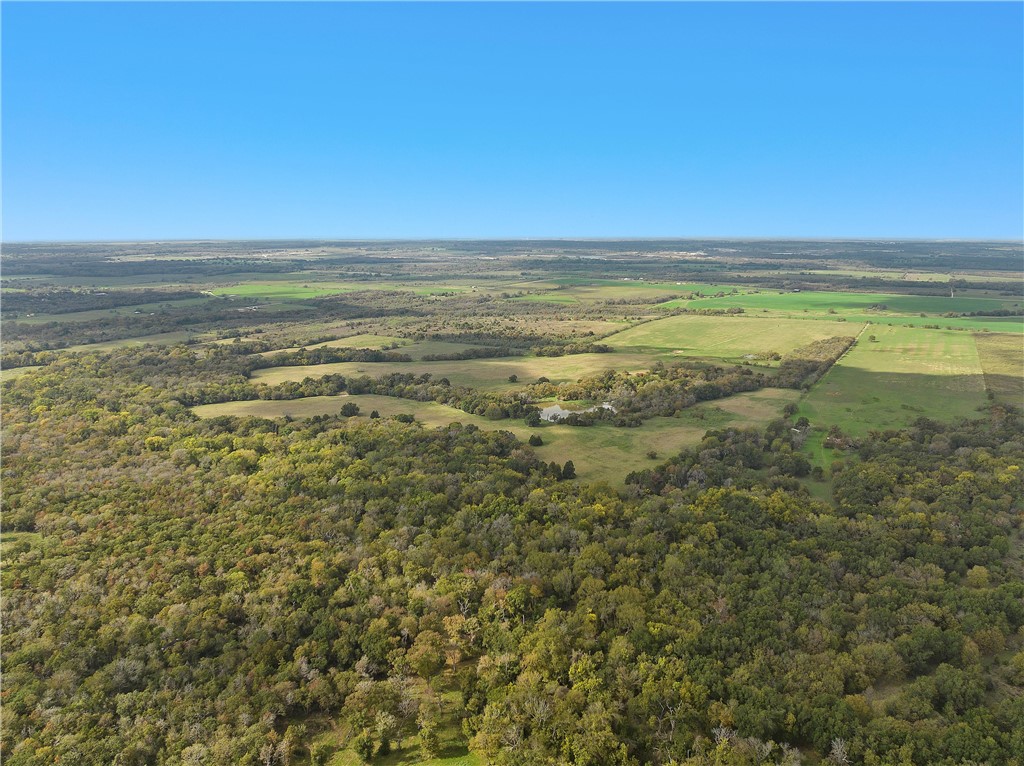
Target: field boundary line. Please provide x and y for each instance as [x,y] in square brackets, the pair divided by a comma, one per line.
[819,381]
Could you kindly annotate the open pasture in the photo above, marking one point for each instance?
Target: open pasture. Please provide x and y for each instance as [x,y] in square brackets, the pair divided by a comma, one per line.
[903,375]
[431,413]
[1002,361]
[120,311]
[416,349]
[13,373]
[317,288]
[364,340]
[592,291]
[994,276]
[844,303]
[551,296]
[485,374]
[725,337]
[600,453]
[156,339]
[282,290]
[969,324]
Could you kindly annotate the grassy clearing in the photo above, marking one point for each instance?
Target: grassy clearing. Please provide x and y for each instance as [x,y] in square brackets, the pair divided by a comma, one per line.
[486,374]
[754,407]
[729,337]
[363,341]
[601,453]
[911,276]
[418,349]
[991,277]
[532,284]
[856,303]
[889,383]
[313,288]
[16,372]
[604,453]
[120,311]
[971,324]
[429,413]
[158,339]
[907,276]
[408,757]
[12,541]
[282,290]
[660,293]
[868,273]
[619,287]
[366,340]
[551,297]
[1002,361]
[791,306]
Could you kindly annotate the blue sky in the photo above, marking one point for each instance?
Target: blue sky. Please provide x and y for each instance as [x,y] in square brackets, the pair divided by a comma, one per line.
[197,120]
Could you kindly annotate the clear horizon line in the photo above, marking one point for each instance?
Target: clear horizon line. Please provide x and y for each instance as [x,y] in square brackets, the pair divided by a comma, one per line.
[521,238]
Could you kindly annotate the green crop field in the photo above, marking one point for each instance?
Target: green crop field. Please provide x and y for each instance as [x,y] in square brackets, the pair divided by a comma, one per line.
[1002,360]
[729,337]
[890,382]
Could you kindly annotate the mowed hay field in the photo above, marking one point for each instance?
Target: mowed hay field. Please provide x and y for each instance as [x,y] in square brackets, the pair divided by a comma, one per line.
[485,374]
[904,374]
[1002,361]
[601,453]
[726,337]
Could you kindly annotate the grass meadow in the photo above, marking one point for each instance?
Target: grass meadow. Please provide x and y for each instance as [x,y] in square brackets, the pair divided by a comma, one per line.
[485,374]
[728,337]
[600,453]
[1002,361]
[902,375]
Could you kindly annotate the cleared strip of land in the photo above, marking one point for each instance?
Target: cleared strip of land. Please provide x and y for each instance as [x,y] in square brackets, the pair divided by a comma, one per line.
[726,337]
[1002,360]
